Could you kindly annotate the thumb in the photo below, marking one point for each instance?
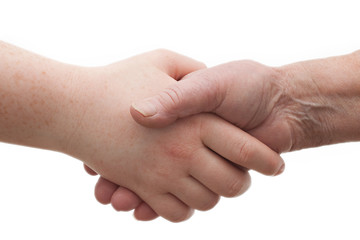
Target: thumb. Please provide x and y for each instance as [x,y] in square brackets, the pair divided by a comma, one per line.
[193,94]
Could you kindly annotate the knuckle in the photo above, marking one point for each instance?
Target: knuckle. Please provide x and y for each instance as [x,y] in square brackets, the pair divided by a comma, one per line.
[209,203]
[246,184]
[245,153]
[211,87]
[246,63]
[272,166]
[179,215]
[172,96]
[201,64]
[163,52]
[101,196]
[234,188]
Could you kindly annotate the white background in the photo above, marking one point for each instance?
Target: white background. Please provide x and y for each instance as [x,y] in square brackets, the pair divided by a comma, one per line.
[47,195]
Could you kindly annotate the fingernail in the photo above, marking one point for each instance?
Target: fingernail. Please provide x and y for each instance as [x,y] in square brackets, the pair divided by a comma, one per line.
[281,170]
[145,108]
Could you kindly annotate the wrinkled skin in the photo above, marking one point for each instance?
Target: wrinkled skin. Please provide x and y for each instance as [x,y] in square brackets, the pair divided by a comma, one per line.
[306,104]
[174,169]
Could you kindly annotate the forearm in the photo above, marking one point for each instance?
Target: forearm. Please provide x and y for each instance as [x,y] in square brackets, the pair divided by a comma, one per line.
[34,93]
[323,99]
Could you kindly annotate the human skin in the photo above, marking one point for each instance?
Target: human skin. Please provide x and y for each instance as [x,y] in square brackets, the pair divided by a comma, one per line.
[301,105]
[84,112]
[297,106]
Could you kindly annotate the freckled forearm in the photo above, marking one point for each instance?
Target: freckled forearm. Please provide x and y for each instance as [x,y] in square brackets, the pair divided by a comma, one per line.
[33,94]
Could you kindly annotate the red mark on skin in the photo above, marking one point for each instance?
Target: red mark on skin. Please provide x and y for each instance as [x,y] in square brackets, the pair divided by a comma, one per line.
[177,150]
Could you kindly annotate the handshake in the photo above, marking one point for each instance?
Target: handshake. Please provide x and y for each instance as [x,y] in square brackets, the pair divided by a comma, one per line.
[168,135]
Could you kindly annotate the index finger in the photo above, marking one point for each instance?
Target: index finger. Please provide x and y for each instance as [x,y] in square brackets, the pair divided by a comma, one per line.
[239,147]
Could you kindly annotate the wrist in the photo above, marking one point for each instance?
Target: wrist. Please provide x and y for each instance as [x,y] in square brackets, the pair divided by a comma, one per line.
[68,106]
[54,118]
[84,120]
[75,96]
[321,100]
[33,90]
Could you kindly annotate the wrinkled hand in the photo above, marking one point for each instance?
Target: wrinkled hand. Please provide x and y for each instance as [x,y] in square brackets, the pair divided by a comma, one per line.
[122,199]
[292,107]
[172,169]
[245,93]
[301,105]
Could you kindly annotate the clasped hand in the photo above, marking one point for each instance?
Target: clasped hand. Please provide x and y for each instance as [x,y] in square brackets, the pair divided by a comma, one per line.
[167,135]
[188,164]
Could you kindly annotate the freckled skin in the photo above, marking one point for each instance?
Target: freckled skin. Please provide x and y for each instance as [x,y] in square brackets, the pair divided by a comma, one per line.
[162,147]
[84,112]
[27,99]
[301,105]
[151,162]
